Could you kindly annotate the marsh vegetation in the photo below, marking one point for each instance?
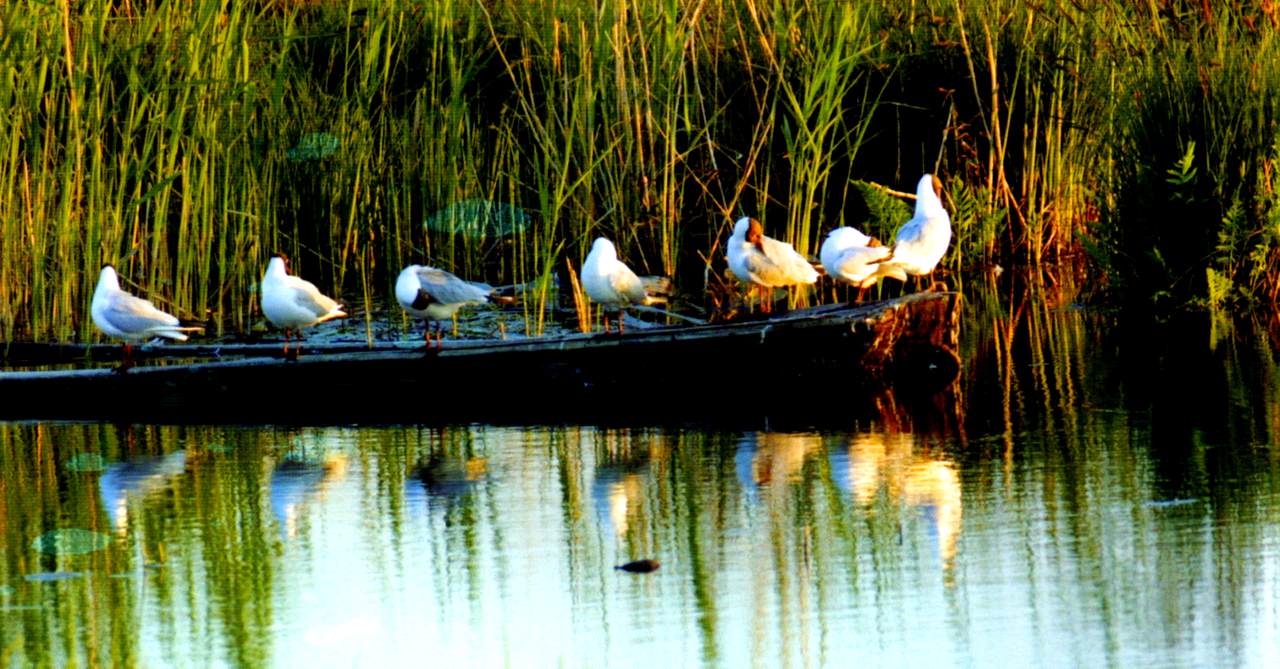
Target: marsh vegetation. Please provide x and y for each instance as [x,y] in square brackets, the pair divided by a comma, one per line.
[187,141]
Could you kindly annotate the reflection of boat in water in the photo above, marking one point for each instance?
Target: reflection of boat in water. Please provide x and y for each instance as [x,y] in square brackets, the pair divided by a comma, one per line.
[770,458]
[872,463]
[135,478]
[296,481]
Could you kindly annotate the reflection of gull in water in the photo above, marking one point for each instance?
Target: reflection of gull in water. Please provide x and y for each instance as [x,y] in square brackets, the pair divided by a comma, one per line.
[766,458]
[616,495]
[934,486]
[298,480]
[138,476]
[873,462]
[450,478]
[863,465]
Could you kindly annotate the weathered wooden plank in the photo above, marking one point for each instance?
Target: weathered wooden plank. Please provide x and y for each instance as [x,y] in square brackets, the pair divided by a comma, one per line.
[820,352]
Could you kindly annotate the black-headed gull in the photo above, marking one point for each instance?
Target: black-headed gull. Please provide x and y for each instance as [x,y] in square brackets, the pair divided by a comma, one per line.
[851,256]
[292,303]
[610,283]
[435,295]
[921,242]
[130,319]
[764,261]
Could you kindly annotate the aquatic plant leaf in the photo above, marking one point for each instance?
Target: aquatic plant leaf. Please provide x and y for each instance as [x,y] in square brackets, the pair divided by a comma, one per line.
[86,462]
[71,541]
[314,146]
[479,218]
[885,212]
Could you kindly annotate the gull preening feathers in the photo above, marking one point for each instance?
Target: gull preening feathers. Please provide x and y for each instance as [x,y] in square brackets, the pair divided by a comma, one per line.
[435,295]
[921,242]
[130,319]
[851,256]
[610,283]
[764,261]
[292,303]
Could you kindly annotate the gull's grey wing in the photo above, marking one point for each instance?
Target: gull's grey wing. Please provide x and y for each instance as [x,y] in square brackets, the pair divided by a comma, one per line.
[307,296]
[627,284]
[135,315]
[446,288]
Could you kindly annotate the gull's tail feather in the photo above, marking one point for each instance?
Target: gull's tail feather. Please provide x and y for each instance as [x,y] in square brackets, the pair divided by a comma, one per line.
[178,333]
[650,300]
[336,313]
[886,258]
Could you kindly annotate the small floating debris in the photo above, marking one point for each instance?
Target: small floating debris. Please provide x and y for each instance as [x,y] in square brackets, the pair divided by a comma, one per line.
[313,146]
[54,576]
[86,462]
[640,566]
[476,218]
[70,541]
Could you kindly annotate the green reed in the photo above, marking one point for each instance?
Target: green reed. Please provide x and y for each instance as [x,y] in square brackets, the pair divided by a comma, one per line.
[186,141]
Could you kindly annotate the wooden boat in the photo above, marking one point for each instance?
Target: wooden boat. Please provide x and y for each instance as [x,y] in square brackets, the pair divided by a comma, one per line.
[801,359]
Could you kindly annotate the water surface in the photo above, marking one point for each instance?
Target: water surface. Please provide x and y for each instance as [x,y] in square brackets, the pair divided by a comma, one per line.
[1088,493]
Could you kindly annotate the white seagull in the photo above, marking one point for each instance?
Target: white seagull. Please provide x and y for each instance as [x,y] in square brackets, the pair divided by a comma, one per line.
[292,303]
[435,295]
[765,261]
[130,319]
[851,256]
[922,241]
[610,283]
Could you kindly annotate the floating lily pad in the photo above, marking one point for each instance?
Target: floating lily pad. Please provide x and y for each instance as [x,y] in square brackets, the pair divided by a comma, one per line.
[314,146]
[479,218]
[71,541]
[86,462]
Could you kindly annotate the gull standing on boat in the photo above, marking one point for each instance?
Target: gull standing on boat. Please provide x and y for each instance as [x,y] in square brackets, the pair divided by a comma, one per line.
[292,303]
[130,319]
[436,295]
[922,241]
[851,256]
[610,283]
[764,261]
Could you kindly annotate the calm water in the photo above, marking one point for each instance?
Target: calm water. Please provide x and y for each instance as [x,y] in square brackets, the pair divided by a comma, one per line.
[1089,493]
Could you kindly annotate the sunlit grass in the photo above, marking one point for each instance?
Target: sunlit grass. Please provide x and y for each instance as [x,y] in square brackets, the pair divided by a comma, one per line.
[187,141]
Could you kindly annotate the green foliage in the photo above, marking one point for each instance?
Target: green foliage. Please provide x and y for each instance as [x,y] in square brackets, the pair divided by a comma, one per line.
[187,141]
[885,212]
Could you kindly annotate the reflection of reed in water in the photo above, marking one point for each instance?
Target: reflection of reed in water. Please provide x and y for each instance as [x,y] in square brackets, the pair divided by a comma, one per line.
[767,458]
[872,463]
[298,480]
[137,477]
